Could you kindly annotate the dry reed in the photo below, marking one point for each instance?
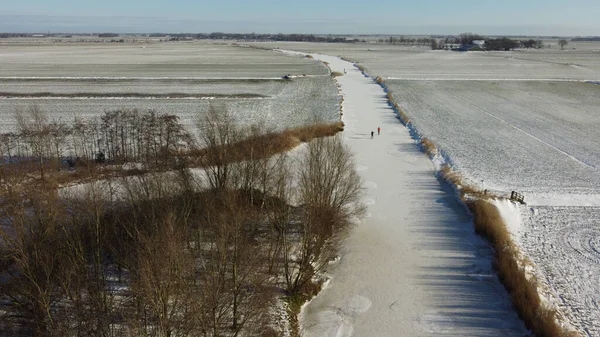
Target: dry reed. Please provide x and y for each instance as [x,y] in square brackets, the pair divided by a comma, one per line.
[522,287]
[429,147]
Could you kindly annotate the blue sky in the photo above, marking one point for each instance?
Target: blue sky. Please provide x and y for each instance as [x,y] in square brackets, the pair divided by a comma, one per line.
[512,17]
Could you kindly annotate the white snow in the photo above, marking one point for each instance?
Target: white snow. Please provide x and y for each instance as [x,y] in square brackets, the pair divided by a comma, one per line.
[547,199]
[511,136]
[413,266]
[561,235]
[511,215]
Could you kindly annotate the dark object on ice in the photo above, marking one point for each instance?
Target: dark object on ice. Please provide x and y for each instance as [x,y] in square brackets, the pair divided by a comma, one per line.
[372,133]
[287,77]
[71,163]
[516,196]
[100,157]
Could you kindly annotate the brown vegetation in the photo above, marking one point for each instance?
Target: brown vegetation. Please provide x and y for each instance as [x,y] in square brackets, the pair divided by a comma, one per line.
[257,146]
[336,73]
[429,147]
[456,180]
[62,153]
[403,116]
[510,266]
[125,95]
[173,253]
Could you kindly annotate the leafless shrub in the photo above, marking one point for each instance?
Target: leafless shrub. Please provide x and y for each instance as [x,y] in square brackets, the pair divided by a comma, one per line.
[401,112]
[456,180]
[429,147]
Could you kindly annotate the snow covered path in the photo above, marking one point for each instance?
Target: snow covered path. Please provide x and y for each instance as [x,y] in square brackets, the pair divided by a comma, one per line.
[413,266]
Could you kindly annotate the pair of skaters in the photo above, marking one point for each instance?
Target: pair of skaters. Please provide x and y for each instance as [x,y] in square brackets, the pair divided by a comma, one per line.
[378,132]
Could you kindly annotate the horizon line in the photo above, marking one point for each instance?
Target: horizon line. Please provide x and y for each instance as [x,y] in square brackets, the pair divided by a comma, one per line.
[50,32]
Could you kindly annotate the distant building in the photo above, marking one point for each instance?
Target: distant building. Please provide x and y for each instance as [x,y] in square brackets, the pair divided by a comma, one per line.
[479,43]
[38,35]
[469,47]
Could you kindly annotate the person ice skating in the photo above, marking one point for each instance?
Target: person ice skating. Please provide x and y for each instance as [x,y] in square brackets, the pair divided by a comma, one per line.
[378,131]
[372,133]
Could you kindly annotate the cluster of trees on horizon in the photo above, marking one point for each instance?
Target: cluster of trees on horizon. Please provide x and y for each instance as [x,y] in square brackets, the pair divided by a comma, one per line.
[586,39]
[259,37]
[467,39]
[211,36]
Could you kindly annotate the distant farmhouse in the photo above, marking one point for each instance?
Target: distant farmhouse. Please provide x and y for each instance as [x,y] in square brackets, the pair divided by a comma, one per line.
[476,45]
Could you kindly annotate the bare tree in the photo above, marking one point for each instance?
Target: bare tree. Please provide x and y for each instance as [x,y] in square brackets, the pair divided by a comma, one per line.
[33,126]
[30,240]
[329,190]
[164,279]
[217,132]
[58,133]
[562,43]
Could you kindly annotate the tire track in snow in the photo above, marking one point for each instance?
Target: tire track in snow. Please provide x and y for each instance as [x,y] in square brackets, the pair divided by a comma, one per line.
[583,241]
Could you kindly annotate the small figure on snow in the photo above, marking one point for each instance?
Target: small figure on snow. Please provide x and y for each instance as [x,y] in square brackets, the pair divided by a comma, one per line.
[372,133]
[378,130]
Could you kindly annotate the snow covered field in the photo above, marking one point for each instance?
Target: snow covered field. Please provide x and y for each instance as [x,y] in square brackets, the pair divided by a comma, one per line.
[247,81]
[183,59]
[418,62]
[285,103]
[506,135]
[564,242]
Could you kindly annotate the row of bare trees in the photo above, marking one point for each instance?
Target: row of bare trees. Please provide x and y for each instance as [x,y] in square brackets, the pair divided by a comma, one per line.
[118,136]
[178,253]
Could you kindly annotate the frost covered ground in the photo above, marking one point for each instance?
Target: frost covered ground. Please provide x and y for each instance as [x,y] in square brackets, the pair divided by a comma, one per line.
[417,62]
[285,103]
[507,135]
[565,244]
[247,81]
[173,59]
